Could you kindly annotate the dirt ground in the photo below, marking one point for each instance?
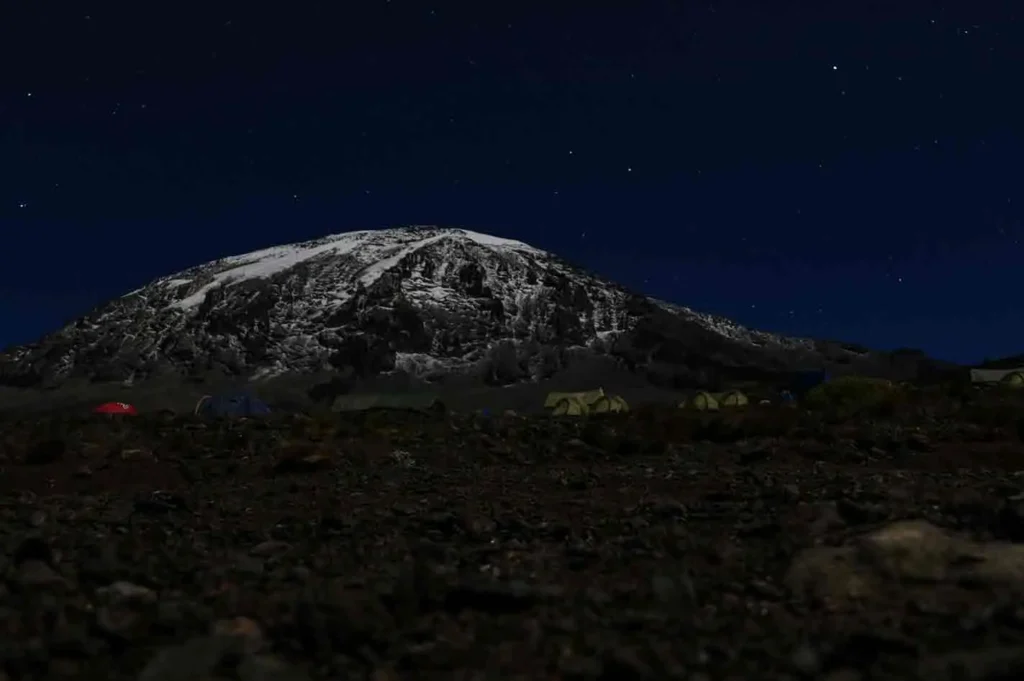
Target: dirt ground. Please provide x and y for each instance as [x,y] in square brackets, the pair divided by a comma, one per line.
[403,546]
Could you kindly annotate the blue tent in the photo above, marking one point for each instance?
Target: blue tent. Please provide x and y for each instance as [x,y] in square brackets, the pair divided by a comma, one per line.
[232,405]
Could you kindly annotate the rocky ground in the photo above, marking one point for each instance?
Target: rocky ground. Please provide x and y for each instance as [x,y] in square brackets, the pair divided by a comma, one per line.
[654,545]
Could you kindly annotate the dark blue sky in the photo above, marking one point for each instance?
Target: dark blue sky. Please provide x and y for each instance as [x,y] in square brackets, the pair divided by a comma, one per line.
[847,171]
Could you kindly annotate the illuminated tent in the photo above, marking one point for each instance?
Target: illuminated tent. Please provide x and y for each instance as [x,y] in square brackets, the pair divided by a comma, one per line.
[1013,380]
[993,375]
[733,398]
[111,408]
[570,406]
[702,401]
[587,397]
[609,404]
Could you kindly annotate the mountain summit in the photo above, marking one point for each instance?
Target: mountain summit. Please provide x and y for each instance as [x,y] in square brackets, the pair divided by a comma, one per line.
[428,301]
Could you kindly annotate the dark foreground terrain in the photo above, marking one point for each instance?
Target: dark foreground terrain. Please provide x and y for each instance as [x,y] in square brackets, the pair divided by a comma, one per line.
[654,545]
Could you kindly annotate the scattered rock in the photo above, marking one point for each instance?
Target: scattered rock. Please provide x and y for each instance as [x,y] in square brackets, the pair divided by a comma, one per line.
[516,548]
[909,555]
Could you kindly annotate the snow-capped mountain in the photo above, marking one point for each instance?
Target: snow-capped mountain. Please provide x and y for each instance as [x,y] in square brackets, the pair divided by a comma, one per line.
[425,300]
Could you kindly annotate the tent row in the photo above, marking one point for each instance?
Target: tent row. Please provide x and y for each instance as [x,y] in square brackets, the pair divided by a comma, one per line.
[248,405]
[575,403]
[556,403]
[224,405]
[706,401]
[584,402]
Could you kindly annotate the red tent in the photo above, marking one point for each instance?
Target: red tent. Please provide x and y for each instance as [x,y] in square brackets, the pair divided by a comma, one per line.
[115,408]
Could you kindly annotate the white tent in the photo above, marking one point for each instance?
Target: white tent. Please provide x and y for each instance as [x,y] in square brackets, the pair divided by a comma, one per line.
[992,375]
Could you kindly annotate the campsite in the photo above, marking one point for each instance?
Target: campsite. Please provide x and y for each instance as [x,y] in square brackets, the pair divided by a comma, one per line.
[853,529]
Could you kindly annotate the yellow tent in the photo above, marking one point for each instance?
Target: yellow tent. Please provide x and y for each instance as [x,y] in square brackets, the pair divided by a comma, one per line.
[702,401]
[609,404]
[733,398]
[570,406]
[586,397]
[1013,380]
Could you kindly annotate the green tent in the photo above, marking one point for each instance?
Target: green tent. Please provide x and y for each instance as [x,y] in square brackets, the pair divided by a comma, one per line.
[702,401]
[609,404]
[733,398]
[571,406]
[1013,380]
[587,397]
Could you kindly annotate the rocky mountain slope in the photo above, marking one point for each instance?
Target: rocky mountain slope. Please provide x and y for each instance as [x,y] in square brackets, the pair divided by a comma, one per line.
[427,301]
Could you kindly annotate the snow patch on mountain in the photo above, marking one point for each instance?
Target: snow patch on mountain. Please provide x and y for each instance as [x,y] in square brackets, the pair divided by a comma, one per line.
[377,251]
[425,300]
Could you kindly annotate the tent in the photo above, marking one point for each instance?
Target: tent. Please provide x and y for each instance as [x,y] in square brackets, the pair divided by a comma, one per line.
[231,405]
[733,398]
[1013,380]
[609,404]
[570,406]
[111,408]
[993,375]
[404,401]
[587,397]
[703,401]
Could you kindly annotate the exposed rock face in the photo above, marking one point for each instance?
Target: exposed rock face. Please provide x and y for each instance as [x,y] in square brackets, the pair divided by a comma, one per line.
[424,300]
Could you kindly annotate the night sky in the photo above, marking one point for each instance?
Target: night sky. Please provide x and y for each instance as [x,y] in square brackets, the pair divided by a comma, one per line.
[848,171]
